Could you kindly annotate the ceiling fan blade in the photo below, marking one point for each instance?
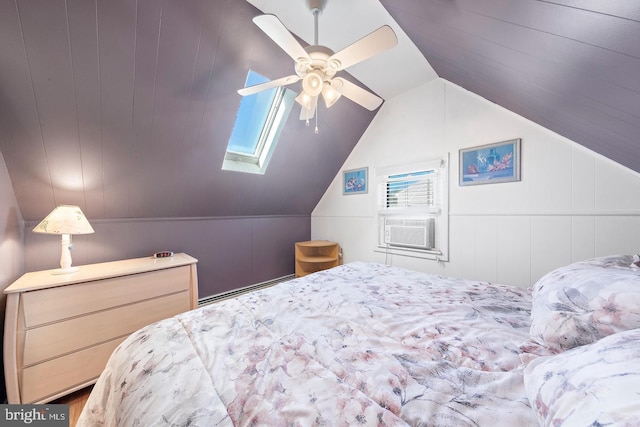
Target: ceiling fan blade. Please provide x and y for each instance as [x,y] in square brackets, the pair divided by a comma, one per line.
[357,94]
[250,90]
[382,39]
[275,29]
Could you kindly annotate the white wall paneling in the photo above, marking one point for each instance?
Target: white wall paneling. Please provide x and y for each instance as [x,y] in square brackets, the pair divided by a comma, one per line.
[550,243]
[513,256]
[571,203]
[583,239]
[617,234]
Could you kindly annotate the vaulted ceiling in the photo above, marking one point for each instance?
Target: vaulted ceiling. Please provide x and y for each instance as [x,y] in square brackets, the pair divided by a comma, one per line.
[125,107]
[572,66]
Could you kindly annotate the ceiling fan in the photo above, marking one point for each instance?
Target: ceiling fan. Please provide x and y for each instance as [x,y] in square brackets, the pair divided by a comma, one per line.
[317,65]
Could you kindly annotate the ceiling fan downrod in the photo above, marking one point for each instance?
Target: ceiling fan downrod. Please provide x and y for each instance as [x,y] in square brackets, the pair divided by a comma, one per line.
[316,7]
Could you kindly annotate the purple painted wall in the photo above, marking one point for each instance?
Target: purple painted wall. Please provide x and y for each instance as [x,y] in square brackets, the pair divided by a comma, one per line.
[232,252]
[11,248]
[125,108]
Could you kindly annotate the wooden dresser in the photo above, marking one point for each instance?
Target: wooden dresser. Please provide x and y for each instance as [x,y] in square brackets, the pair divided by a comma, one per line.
[61,329]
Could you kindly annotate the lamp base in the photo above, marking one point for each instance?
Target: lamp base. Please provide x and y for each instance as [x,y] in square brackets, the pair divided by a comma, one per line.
[65,256]
[65,270]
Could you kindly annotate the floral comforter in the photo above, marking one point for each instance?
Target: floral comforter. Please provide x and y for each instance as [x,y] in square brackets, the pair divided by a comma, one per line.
[360,344]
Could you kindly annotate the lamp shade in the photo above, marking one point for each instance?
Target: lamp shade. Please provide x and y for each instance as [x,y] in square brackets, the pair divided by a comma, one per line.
[65,219]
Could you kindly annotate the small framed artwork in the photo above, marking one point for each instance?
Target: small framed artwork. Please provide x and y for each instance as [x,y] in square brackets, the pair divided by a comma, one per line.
[355,181]
[491,163]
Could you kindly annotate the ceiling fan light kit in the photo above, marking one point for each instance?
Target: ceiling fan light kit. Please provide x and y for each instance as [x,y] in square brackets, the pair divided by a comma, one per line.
[305,101]
[330,94]
[317,65]
[313,82]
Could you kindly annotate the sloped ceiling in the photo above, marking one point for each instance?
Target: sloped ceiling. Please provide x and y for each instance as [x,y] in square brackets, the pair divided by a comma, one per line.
[125,108]
[572,66]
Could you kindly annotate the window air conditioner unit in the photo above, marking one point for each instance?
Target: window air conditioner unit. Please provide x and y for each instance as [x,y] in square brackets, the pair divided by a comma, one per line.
[415,233]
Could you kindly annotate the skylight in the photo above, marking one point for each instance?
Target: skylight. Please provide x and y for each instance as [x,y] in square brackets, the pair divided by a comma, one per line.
[257,128]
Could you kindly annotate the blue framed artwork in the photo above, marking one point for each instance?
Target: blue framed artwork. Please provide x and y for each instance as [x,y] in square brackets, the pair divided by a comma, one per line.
[355,181]
[491,163]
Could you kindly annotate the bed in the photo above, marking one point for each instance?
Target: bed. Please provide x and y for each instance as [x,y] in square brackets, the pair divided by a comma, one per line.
[368,344]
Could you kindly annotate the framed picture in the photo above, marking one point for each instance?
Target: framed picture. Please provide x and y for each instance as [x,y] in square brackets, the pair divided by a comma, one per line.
[355,181]
[491,163]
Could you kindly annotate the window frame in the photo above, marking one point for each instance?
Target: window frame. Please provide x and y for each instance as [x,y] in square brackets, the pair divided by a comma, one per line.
[279,110]
[439,211]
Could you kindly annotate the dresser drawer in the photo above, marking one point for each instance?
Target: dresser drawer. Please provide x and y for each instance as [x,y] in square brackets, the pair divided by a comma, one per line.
[61,329]
[53,304]
[48,378]
[55,339]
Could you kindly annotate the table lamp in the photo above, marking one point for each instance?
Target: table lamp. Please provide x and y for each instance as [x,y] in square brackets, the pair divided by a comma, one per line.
[65,220]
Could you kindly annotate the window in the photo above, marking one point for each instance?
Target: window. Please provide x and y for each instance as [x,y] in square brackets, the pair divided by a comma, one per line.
[411,191]
[413,210]
[258,124]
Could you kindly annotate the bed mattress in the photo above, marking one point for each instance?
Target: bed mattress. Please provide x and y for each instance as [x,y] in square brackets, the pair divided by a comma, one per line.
[359,344]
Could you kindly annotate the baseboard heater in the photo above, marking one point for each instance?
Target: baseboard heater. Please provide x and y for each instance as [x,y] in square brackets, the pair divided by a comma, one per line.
[235,292]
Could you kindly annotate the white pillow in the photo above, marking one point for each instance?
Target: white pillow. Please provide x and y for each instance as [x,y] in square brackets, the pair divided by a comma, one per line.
[582,302]
[593,385]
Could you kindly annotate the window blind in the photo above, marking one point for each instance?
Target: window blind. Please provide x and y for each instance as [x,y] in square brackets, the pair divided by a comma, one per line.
[412,191]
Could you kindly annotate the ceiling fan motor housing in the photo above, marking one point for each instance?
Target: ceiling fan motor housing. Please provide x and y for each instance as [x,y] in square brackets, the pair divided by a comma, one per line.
[319,61]
[316,6]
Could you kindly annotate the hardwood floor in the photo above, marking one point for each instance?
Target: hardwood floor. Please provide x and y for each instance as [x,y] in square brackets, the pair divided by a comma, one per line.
[76,402]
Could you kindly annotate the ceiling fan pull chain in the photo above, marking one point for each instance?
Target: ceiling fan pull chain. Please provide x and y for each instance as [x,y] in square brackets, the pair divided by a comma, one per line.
[316,131]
